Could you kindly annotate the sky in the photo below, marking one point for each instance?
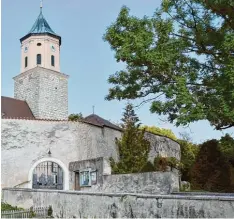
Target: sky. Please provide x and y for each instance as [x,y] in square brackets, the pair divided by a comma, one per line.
[85,57]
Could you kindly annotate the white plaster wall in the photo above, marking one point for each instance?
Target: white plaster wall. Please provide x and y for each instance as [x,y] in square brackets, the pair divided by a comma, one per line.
[45,51]
[24,142]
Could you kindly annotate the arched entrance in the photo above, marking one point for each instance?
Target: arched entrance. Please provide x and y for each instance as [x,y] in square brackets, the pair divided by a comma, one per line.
[55,168]
[47,175]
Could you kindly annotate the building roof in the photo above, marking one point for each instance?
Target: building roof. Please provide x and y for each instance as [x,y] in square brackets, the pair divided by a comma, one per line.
[98,121]
[41,26]
[13,108]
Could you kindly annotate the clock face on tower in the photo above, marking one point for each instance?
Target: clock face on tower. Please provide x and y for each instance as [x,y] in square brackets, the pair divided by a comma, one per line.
[53,48]
[26,49]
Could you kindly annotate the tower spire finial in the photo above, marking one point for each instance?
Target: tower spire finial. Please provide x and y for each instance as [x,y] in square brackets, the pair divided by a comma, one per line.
[41,5]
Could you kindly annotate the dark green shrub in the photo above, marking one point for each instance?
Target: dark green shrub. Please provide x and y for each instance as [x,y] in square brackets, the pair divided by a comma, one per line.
[149,167]
[160,163]
[50,211]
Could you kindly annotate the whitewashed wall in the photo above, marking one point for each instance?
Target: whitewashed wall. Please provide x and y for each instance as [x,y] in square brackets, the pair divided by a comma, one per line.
[26,142]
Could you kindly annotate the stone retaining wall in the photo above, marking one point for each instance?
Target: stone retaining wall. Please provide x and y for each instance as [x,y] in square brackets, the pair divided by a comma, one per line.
[115,205]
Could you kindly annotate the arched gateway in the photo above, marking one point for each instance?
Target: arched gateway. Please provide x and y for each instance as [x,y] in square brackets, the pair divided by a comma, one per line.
[48,173]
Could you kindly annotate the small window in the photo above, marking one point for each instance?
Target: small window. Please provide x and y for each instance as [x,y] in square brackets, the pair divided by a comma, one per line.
[85,178]
[38,59]
[39,44]
[26,62]
[52,60]
[88,177]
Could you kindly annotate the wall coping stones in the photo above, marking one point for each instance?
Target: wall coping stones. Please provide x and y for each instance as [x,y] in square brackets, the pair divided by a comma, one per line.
[137,195]
[163,136]
[81,121]
[38,68]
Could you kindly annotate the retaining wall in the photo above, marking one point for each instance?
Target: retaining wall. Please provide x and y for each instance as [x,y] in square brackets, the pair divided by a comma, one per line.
[115,205]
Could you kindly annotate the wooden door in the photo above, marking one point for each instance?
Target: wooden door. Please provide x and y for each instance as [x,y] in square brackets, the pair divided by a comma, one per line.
[77,181]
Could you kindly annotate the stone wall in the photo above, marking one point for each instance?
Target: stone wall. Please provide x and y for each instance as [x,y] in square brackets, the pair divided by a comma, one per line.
[45,91]
[25,142]
[162,146]
[110,205]
[150,182]
[100,165]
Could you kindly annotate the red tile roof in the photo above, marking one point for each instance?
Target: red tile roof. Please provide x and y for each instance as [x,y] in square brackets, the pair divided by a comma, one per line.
[98,121]
[13,108]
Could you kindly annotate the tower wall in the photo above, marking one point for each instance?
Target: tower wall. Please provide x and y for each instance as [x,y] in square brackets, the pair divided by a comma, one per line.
[40,44]
[45,91]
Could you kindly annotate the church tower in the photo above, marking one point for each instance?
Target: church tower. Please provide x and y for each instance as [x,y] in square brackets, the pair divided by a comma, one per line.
[40,82]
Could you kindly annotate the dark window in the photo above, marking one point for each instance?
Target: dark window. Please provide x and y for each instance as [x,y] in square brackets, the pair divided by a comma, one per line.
[39,44]
[52,60]
[26,62]
[38,59]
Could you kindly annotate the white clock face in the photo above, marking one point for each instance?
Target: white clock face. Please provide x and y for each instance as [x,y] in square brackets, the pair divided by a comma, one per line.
[53,48]
[26,49]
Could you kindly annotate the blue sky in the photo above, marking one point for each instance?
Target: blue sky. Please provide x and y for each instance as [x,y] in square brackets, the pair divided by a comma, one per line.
[84,55]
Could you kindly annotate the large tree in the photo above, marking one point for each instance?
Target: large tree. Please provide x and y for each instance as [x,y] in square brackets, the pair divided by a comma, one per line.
[211,170]
[133,148]
[181,60]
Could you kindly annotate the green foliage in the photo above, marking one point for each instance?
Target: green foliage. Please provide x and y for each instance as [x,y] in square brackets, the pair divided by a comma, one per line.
[211,170]
[189,153]
[226,147]
[129,117]
[185,187]
[181,60]
[32,213]
[75,117]
[159,131]
[133,147]
[50,211]
[8,207]
[162,163]
[149,167]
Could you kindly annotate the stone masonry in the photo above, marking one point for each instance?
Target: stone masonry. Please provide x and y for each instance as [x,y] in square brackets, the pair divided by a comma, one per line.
[70,204]
[45,91]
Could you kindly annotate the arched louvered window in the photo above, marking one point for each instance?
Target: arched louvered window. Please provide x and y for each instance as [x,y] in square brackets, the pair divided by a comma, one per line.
[38,59]
[52,60]
[26,62]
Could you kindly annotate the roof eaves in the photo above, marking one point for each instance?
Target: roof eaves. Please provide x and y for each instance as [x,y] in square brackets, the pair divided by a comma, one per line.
[38,34]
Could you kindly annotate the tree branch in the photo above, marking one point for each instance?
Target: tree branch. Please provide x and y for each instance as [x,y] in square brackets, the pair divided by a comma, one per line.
[148,100]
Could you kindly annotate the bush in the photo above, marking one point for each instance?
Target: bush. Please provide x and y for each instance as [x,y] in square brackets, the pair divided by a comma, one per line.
[8,207]
[212,171]
[50,211]
[149,167]
[162,163]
